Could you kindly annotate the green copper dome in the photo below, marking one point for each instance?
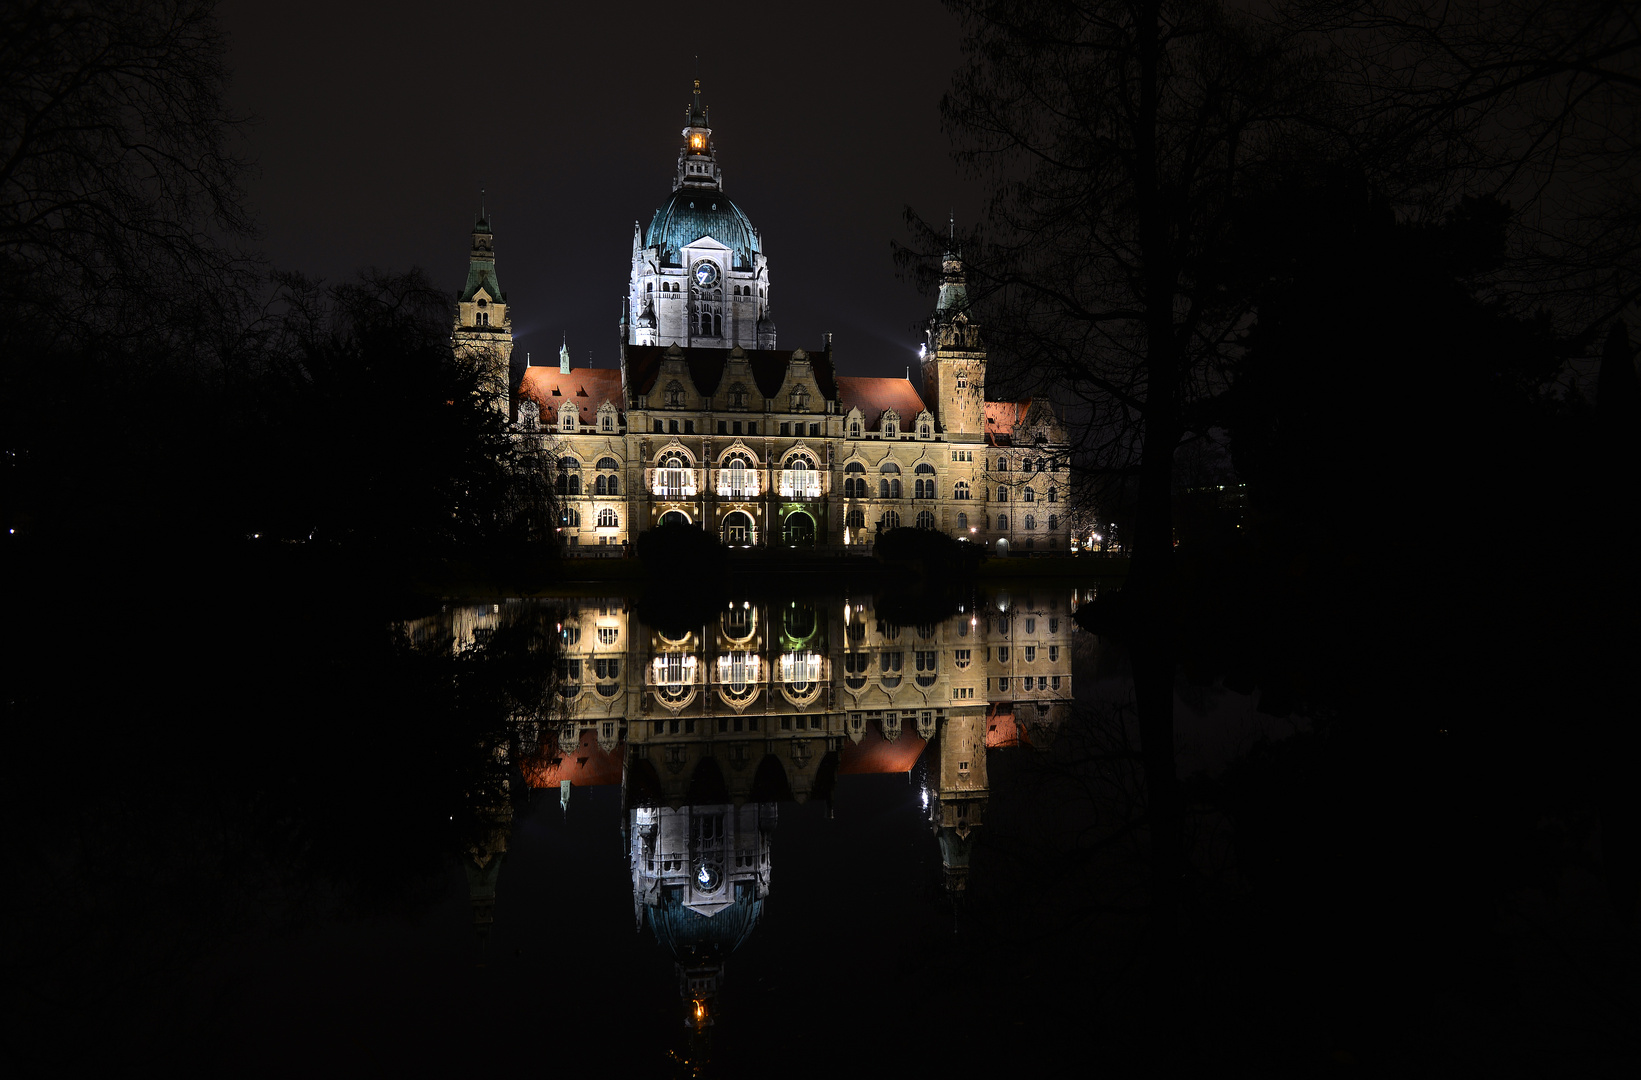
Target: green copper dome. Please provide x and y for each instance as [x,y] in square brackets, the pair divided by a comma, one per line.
[692,213]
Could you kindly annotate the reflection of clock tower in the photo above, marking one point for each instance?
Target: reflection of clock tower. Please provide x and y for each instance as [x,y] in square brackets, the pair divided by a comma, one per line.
[699,275]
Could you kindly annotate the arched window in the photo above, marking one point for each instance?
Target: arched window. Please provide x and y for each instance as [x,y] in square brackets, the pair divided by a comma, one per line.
[1031,496]
[598,486]
[890,427]
[1002,521]
[482,318]
[674,395]
[1031,522]
[649,286]
[923,431]
[961,491]
[673,478]
[608,463]
[1002,494]
[1053,495]
[923,486]
[737,478]
[717,326]
[569,476]
[567,418]
[962,522]
[883,489]
[606,422]
[855,518]
[891,520]
[925,520]
[854,429]
[1002,464]
[606,518]
[889,467]
[1053,522]
[854,480]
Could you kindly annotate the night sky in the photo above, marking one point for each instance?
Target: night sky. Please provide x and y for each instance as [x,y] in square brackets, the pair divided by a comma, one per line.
[379,124]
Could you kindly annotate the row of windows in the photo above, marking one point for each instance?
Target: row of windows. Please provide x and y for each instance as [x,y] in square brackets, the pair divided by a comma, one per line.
[1044,682]
[1029,495]
[673,286]
[571,518]
[1029,465]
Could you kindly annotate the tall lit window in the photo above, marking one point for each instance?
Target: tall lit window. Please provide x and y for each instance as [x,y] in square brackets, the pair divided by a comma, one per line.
[606,518]
[674,479]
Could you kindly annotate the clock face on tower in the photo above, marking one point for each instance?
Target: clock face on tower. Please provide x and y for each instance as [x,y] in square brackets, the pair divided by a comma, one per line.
[706,274]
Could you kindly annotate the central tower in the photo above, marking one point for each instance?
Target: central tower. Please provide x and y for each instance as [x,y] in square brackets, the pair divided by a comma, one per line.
[699,276]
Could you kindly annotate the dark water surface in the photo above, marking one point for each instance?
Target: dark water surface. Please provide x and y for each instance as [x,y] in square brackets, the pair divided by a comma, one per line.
[783,832]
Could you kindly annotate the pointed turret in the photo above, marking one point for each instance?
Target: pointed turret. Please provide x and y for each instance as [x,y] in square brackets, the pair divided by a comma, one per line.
[484,326]
[564,357]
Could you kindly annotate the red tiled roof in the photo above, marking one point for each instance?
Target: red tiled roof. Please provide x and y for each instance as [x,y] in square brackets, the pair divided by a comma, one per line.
[1001,416]
[587,387]
[872,396]
[589,766]
[875,754]
[1001,730]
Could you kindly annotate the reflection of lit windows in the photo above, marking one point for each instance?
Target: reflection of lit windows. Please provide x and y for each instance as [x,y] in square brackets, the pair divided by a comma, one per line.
[1003,683]
[1003,653]
[800,670]
[1053,653]
[1031,654]
[1054,682]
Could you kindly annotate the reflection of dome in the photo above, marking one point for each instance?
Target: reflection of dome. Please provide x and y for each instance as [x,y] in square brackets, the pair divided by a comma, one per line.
[692,213]
[683,932]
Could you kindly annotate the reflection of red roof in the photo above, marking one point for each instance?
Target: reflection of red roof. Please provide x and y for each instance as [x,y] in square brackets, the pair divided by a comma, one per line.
[1001,730]
[589,766]
[873,395]
[1001,418]
[875,754]
[587,387]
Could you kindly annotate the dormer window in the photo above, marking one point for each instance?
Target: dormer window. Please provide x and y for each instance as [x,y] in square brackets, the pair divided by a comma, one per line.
[891,425]
[923,431]
[674,395]
[737,396]
[606,422]
[854,429]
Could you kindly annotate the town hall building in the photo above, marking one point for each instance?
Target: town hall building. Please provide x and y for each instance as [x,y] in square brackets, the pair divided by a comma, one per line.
[706,421]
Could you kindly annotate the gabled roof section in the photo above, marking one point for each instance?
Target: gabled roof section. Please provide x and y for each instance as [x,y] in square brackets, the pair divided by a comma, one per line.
[706,369]
[589,388]
[874,396]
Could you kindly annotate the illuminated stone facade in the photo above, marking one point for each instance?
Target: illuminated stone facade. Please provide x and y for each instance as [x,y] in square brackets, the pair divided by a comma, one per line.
[705,421]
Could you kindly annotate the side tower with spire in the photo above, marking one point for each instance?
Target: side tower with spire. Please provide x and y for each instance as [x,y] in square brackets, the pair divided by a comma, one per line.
[954,359]
[484,326]
[699,275]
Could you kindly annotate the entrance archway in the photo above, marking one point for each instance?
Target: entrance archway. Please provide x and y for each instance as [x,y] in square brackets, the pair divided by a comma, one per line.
[799,530]
[674,517]
[1002,545]
[737,530]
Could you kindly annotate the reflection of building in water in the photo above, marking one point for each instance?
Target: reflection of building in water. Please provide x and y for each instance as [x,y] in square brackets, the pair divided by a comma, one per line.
[709,726]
